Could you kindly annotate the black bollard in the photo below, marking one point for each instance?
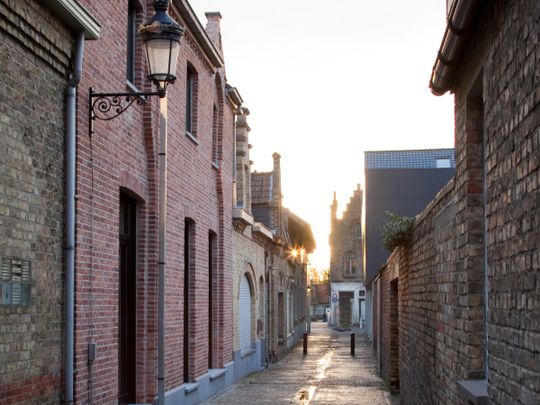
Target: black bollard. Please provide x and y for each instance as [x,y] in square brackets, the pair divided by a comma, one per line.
[353,343]
[305,343]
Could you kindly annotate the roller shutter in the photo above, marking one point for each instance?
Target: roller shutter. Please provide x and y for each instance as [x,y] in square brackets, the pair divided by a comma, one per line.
[244,314]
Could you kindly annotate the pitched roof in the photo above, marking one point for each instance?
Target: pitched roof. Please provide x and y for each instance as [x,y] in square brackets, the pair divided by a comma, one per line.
[409,159]
[261,187]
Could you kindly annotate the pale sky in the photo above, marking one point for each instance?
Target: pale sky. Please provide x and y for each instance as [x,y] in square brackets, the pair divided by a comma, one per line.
[327,80]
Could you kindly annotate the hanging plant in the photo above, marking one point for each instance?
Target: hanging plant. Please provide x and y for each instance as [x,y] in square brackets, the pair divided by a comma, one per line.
[396,231]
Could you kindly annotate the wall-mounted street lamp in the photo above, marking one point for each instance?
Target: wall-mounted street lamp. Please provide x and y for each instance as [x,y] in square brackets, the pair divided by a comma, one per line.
[161,36]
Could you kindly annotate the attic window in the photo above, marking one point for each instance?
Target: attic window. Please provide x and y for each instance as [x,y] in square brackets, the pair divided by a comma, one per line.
[443,163]
[15,282]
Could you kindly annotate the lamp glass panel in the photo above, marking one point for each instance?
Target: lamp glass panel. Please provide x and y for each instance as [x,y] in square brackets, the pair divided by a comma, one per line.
[158,52]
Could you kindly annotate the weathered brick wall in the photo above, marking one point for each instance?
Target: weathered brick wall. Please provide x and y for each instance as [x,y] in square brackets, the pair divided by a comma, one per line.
[434,314]
[248,257]
[512,156]
[33,45]
[279,277]
[389,351]
[441,273]
[125,158]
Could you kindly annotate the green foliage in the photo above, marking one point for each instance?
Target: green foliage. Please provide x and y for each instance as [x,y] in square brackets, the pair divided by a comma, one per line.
[396,231]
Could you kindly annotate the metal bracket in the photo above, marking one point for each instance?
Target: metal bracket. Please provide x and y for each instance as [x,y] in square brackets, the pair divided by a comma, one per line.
[108,106]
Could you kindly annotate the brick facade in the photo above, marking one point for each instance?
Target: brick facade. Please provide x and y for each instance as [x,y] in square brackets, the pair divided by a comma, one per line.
[483,223]
[121,159]
[287,261]
[253,245]
[346,268]
[35,54]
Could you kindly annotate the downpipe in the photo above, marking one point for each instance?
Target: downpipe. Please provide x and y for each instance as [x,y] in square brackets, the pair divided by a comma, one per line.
[71,116]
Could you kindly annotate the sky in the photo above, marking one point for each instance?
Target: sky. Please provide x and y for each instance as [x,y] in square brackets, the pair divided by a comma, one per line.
[326,80]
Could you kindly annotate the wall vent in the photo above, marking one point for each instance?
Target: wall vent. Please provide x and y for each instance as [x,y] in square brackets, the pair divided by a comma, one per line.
[15,282]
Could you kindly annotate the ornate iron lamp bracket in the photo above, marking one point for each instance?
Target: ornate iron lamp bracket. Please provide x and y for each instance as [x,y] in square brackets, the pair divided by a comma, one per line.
[108,106]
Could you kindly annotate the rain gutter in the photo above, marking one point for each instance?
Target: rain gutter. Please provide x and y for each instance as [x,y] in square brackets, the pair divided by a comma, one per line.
[462,17]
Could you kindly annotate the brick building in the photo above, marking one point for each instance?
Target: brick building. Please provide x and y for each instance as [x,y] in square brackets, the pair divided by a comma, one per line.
[466,286]
[287,263]
[319,301]
[38,48]
[253,245]
[347,303]
[117,223]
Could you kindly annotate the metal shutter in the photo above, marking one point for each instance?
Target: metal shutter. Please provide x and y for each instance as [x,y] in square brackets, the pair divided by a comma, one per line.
[244,314]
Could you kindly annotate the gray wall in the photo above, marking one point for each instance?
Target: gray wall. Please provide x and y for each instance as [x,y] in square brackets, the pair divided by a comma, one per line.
[401,191]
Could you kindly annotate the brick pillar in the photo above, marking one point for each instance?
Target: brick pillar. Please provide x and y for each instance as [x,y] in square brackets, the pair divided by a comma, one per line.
[470,234]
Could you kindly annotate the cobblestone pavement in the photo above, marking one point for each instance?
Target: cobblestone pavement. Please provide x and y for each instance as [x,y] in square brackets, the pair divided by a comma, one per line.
[327,375]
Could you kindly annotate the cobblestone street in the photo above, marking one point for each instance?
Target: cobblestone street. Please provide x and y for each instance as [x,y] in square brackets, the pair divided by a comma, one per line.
[327,375]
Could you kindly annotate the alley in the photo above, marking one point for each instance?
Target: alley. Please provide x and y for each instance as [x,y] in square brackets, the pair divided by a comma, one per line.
[327,375]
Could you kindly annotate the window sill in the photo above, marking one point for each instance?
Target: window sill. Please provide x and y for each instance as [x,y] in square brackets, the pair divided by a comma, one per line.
[247,352]
[192,138]
[131,87]
[473,391]
[190,387]
[215,373]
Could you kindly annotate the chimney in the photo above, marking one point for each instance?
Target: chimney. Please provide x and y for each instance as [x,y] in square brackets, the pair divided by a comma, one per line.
[243,164]
[213,29]
[276,195]
[276,190]
[333,213]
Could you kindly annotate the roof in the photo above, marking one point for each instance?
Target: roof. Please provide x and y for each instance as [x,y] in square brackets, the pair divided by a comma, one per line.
[261,187]
[408,159]
[462,16]
[183,8]
[300,232]
[75,16]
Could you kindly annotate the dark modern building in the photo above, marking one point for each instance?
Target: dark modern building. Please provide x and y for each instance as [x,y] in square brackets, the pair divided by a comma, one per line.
[402,182]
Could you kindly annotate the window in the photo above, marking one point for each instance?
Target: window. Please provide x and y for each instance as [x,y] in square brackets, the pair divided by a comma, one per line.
[131,30]
[189,249]
[443,163]
[191,101]
[350,264]
[215,136]
[212,264]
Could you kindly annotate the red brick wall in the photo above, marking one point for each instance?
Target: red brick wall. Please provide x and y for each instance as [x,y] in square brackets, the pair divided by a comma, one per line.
[124,156]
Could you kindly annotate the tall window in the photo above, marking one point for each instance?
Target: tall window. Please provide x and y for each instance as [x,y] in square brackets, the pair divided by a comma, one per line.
[212,256]
[350,264]
[191,101]
[127,343]
[189,230]
[131,30]
[215,135]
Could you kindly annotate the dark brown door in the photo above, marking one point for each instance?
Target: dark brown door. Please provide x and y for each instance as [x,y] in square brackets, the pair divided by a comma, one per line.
[127,362]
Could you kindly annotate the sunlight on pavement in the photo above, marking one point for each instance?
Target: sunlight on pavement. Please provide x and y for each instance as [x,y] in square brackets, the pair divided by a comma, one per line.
[324,363]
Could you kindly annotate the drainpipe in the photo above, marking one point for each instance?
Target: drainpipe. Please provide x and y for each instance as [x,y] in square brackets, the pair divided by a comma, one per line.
[71,114]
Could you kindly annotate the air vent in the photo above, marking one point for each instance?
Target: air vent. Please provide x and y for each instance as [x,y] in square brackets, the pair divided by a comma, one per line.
[15,282]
